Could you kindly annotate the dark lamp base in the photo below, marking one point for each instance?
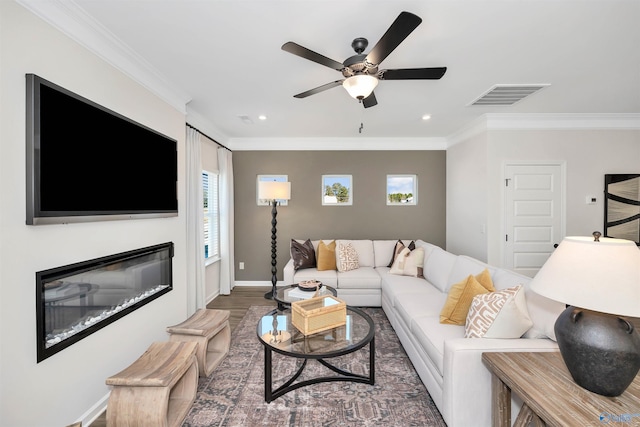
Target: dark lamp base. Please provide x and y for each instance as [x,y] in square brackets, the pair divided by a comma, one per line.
[601,351]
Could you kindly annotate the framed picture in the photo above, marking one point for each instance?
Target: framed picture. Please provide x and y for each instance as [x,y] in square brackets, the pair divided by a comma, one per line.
[337,190]
[276,178]
[402,190]
[622,206]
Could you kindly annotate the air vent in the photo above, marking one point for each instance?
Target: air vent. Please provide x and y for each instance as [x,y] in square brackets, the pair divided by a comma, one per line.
[505,95]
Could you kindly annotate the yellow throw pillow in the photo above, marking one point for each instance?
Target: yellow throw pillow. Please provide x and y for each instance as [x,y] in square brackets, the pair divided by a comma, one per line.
[326,256]
[459,300]
[484,279]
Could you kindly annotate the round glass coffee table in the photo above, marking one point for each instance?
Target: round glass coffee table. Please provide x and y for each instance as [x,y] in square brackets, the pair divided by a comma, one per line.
[288,294]
[277,333]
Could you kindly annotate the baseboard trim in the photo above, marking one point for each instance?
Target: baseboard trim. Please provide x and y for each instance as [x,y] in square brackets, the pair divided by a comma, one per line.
[256,283]
[95,411]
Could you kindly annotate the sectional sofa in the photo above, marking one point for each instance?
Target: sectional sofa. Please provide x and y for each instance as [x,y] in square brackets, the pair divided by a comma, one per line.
[449,364]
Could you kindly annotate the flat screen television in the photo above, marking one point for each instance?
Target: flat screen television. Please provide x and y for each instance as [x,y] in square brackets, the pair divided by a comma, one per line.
[88,163]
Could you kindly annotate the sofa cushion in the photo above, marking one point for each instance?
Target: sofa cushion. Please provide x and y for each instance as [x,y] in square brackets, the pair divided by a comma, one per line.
[327,277]
[501,314]
[438,267]
[393,284]
[465,266]
[364,248]
[347,257]
[459,298]
[431,335]
[424,303]
[326,256]
[408,262]
[303,254]
[362,278]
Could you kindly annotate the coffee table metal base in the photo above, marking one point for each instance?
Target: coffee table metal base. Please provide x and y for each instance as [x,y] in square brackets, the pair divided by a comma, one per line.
[270,394]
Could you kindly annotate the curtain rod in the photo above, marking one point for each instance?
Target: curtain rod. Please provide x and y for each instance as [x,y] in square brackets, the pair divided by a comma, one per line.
[202,133]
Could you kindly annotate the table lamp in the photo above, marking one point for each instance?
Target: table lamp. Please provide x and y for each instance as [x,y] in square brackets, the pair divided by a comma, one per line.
[273,191]
[599,279]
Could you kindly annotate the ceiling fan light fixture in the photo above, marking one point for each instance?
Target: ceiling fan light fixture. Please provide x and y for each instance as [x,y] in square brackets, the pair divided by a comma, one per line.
[360,86]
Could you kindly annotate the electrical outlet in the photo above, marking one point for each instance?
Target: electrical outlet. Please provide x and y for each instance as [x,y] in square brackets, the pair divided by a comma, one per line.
[591,200]
[241,266]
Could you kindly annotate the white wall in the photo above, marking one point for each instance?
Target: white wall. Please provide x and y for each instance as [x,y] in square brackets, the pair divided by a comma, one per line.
[467,197]
[63,388]
[589,155]
[475,183]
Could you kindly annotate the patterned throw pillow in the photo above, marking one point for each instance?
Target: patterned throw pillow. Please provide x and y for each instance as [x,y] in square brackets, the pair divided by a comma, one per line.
[326,256]
[399,246]
[347,257]
[501,314]
[409,263]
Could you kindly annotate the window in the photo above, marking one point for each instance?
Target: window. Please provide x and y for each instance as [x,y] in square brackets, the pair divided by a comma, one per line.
[402,190]
[211,216]
[337,190]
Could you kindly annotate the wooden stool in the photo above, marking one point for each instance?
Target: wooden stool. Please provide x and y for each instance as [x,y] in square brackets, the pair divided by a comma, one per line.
[158,389]
[210,329]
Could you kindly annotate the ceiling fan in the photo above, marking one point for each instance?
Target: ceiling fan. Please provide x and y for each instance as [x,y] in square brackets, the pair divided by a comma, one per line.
[361,71]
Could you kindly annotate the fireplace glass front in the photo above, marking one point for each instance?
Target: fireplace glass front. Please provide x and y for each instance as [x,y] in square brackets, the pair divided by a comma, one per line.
[76,300]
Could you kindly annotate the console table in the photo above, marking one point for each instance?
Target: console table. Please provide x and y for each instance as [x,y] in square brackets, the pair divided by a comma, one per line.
[550,394]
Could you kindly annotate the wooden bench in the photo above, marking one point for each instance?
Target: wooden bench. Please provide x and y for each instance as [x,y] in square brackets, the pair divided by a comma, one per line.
[210,329]
[157,390]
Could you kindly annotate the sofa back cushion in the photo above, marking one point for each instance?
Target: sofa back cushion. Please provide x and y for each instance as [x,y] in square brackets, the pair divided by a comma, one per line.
[437,269]
[464,266]
[364,248]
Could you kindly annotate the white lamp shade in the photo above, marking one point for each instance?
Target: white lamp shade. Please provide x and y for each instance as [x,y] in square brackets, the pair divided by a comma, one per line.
[274,190]
[360,86]
[601,276]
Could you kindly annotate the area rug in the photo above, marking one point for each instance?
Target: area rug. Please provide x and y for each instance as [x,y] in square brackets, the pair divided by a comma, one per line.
[233,395]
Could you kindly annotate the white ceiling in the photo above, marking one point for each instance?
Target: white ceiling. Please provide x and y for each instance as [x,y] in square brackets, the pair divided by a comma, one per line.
[224,58]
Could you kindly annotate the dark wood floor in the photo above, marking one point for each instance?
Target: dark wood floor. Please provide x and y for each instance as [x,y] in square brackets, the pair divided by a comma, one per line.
[237,303]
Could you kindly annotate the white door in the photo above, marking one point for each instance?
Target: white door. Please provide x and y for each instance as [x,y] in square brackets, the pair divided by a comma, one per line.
[534,217]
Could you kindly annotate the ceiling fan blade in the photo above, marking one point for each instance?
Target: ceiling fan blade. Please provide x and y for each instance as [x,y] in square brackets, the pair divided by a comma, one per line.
[413,74]
[370,101]
[404,24]
[319,89]
[305,53]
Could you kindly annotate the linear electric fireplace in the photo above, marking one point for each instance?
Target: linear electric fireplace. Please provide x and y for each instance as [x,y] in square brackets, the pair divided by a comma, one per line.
[76,300]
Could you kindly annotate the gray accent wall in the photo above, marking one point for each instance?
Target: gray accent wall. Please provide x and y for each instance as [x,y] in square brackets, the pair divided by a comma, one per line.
[368,218]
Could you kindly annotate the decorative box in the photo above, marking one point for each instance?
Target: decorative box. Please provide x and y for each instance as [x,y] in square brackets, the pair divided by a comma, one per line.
[318,314]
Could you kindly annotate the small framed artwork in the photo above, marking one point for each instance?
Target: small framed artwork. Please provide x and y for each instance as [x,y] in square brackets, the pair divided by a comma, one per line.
[622,206]
[337,190]
[402,190]
[276,178]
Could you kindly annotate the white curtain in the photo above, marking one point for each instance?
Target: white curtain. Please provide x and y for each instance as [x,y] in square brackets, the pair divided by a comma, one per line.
[227,272]
[195,224]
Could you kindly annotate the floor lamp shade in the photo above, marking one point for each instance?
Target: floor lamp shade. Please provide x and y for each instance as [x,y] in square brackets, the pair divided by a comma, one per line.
[274,191]
[599,279]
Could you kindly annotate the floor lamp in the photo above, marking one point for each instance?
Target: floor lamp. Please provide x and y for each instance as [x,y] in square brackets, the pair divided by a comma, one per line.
[273,191]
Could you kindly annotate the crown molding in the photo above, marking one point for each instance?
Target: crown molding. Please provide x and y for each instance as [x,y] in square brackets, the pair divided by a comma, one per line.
[72,20]
[571,121]
[545,121]
[337,144]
